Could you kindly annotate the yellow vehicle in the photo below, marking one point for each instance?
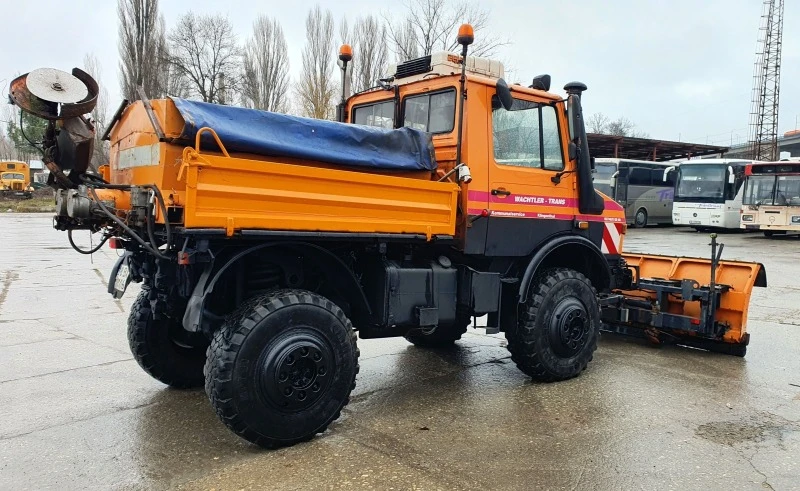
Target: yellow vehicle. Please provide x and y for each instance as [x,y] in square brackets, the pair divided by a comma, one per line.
[15,179]
[266,243]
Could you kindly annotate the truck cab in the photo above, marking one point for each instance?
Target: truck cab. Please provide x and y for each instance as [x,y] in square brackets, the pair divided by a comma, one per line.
[523,158]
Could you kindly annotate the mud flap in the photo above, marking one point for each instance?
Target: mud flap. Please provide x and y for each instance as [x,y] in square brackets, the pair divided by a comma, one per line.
[674,300]
[120,276]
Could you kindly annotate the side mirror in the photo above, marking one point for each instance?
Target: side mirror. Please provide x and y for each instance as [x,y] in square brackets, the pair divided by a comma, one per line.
[731,175]
[504,94]
[666,173]
[572,150]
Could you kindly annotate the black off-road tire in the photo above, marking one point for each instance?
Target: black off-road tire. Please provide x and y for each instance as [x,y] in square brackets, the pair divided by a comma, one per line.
[558,326]
[282,367]
[155,350]
[442,336]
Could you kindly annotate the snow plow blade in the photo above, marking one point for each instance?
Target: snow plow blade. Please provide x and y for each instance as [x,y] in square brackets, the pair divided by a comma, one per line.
[695,302]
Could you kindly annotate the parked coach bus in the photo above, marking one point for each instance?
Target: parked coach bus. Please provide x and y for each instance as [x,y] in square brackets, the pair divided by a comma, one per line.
[772,198]
[708,193]
[643,188]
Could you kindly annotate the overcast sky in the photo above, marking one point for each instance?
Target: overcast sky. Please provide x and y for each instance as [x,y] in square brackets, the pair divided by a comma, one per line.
[679,69]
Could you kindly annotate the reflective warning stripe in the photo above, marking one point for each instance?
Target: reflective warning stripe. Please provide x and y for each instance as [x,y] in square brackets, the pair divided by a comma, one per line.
[611,239]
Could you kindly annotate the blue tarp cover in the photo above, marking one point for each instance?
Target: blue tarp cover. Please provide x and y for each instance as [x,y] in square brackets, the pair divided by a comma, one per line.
[265,133]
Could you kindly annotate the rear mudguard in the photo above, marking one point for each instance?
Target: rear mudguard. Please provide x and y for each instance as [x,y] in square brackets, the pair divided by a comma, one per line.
[738,279]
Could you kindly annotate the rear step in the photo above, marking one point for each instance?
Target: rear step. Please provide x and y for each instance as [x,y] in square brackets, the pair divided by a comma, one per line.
[694,302]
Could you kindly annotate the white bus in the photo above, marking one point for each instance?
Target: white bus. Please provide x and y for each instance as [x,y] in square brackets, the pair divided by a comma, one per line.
[772,198]
[708,193]
[642,187]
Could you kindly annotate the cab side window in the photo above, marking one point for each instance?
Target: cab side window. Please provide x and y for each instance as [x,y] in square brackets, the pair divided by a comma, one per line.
[527,136]
[433,112]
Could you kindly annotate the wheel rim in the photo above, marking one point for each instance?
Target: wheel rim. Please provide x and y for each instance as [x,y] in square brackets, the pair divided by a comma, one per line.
[296,371]
[569,327]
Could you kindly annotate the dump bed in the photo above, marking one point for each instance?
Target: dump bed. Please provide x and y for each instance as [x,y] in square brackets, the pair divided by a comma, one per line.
[209,187]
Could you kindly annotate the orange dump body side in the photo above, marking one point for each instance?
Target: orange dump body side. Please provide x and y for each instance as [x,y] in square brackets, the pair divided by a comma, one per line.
[237,192]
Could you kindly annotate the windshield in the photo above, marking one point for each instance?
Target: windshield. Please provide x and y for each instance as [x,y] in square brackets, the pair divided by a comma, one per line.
[773,190]
[759,190]
[788,191]
[10,176]
[701,183]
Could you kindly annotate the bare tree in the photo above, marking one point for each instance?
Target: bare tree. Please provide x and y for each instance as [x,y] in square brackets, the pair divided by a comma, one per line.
[431,25]
[99,114]
[344,31]
[597,123]
[141,48]
[403,38]
[7,150]
[345,37]
[203,51]
[266,67]
[622,126]
[370,52]
[316,89]
[176,85]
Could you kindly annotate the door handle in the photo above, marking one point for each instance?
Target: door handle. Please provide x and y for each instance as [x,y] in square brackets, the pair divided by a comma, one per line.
[500,192]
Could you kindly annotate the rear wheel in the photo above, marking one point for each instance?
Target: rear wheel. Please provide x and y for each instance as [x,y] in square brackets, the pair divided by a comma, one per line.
[156,348]
[281,368]
[441,336]
[558,326]
[640,220]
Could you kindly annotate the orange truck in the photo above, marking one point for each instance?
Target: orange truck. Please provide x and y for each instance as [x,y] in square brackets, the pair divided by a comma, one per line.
[266,244]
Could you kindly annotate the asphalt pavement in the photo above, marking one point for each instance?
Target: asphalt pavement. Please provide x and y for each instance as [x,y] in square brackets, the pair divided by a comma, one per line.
[78,412]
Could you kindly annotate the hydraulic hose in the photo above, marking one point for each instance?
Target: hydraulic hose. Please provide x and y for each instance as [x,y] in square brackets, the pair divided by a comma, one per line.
[92,181]
[124,227]
[84,251]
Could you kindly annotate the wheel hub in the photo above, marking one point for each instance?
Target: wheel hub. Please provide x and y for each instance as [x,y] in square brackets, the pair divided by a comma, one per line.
[296,371]
[569,327]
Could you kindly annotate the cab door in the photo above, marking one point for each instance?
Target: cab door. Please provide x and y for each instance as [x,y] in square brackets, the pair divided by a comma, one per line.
[532,193]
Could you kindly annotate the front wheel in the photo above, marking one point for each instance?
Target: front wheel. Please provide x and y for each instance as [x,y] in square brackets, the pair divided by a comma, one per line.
[282,367]
[557,327]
